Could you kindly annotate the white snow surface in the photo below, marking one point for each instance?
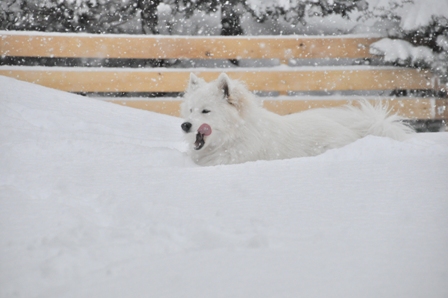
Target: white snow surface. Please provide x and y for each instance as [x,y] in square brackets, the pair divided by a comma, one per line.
[100,200]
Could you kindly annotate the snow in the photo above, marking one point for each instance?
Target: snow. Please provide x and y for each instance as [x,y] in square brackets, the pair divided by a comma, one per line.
[397,50]
[442,41]
[113,36]
[412,14]
[100,200]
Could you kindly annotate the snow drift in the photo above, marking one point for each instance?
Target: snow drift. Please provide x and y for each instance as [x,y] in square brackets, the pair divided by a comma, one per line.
[100,200]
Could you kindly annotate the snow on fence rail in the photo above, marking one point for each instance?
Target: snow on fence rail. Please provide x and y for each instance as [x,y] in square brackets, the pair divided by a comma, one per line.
[282,79]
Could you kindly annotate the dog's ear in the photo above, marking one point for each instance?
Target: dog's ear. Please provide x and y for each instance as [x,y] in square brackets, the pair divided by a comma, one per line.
[224,84]
[194,82]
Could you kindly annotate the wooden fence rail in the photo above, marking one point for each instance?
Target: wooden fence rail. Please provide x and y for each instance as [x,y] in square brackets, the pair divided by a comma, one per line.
[72,45]
[77,79]
[282,79]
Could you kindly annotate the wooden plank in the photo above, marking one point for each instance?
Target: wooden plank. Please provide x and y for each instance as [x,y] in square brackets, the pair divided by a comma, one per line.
[167,107]
[40,44]
[175,80]
[411,108]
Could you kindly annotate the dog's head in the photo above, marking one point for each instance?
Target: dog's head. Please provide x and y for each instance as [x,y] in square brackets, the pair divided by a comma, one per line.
[212,111]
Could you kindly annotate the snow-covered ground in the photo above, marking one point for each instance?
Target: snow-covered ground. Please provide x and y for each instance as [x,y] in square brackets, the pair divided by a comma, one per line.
[100,200]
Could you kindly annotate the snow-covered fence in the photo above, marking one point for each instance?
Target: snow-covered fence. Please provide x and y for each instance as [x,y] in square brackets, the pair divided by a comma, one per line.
[281,79]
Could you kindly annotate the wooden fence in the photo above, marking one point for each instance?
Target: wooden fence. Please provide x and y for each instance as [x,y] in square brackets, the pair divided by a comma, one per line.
[282,79]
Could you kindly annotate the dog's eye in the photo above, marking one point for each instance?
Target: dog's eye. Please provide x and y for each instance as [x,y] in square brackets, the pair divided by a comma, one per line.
[205,111]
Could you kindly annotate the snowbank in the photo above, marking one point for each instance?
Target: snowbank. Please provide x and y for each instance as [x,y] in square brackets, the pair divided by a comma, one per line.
[100,200]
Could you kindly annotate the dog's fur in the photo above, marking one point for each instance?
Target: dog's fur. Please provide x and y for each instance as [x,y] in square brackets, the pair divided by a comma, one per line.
[241,130]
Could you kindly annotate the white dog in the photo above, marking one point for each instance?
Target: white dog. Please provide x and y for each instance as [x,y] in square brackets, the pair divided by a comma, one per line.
[225,124]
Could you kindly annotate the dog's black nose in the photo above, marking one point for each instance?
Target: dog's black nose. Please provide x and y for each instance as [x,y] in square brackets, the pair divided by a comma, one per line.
[186,126]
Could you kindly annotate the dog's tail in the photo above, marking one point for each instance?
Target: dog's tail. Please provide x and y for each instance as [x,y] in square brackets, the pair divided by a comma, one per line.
[379,120]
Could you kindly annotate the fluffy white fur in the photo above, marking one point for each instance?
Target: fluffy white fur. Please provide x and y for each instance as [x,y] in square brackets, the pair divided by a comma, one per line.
[244,131]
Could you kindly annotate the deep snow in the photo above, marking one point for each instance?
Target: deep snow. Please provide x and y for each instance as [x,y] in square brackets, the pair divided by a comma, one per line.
[100,200]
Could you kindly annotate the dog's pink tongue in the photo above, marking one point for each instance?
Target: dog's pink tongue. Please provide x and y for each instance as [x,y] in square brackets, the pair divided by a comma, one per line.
[205,129]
